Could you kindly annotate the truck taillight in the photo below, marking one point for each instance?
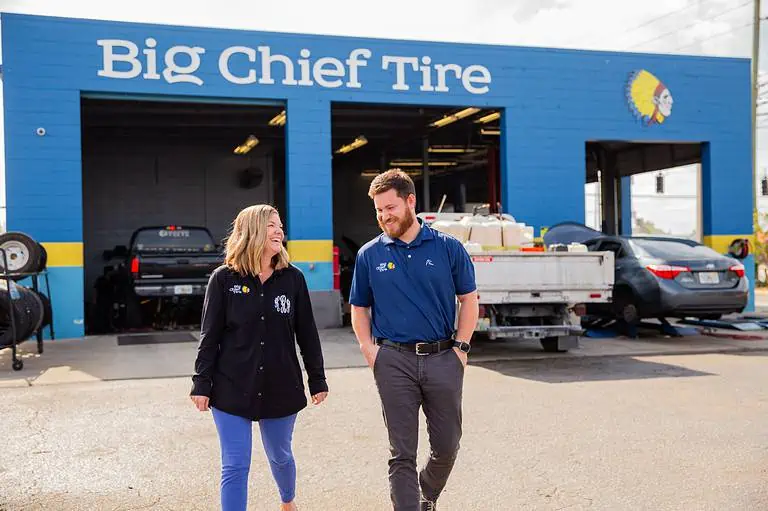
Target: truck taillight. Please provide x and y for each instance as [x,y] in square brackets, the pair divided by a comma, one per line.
[135,265]
[738,269]
[665,271]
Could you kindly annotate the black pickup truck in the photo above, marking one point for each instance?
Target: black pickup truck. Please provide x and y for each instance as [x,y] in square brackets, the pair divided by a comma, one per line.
[157,281]
[172,260]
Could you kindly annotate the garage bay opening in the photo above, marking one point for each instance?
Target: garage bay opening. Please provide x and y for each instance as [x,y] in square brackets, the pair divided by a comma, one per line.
[452,154]
[162,182]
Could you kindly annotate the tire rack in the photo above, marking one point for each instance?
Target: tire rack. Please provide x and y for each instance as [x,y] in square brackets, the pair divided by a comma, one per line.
[17,363]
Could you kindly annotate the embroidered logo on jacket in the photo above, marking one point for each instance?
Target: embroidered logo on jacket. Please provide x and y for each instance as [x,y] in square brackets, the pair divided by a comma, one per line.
[283,304]
[237,289]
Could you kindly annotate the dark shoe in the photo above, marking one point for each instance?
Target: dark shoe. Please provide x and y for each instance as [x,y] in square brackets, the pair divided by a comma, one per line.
[428,505]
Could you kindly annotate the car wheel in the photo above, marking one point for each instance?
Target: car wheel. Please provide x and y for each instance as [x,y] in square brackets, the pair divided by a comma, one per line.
[625,308]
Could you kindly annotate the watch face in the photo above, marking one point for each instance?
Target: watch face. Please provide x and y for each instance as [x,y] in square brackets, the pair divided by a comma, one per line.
[464,347]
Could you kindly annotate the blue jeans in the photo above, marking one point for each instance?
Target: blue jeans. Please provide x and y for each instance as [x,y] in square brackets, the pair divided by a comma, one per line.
[235,436]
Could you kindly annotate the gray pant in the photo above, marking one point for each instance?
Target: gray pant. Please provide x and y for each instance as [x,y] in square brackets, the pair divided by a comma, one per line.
[407,381]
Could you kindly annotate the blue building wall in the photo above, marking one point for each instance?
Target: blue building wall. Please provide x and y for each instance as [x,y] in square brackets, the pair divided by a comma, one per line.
[553,102]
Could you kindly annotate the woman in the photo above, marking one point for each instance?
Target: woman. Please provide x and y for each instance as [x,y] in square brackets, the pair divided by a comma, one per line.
[247,370]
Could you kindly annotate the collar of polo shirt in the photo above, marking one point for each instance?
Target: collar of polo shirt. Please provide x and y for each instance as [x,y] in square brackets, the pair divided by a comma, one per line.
[425,233]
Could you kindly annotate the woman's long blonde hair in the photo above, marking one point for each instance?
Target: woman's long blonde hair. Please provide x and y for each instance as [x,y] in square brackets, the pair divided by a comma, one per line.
[246,243]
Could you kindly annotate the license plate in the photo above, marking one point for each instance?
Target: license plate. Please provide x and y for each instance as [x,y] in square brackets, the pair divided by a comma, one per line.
[182,290]
[709,277]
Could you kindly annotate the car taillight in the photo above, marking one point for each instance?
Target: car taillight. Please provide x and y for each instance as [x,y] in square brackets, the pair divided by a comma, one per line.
[135,265]
[738,269]
[665,271]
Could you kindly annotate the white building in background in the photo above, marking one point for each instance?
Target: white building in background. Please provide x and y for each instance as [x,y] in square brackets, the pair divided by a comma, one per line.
[672,210]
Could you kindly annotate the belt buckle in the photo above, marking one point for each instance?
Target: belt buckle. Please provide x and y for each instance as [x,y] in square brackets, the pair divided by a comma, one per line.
[418,348]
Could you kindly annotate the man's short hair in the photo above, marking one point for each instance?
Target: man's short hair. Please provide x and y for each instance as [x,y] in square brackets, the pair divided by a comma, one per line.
[394,179]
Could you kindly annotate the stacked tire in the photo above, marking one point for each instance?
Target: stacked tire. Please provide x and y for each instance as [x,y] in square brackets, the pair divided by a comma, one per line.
[27,310]
[24,255]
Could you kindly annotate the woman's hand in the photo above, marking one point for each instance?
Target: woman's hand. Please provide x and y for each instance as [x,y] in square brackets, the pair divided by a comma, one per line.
[201,402]
[319,398]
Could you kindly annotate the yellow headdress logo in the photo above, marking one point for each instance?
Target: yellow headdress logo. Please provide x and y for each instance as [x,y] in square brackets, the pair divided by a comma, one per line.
[649,99]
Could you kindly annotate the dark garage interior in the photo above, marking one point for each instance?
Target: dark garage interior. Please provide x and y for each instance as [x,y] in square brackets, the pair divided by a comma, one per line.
[450,152]
[157,163]
[160,163]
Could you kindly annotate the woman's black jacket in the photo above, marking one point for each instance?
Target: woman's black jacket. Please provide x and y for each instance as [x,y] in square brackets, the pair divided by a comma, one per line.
[246,361]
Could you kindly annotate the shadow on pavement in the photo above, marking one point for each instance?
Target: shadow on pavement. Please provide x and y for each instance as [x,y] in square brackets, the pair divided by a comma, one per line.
[588,369]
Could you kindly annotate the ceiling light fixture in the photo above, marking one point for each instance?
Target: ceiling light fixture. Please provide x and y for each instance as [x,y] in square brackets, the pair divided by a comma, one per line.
[448,119]
[451,149]
[246,146]
[419,163]
[489,131]
[489,118]
[278,120]
[358,142]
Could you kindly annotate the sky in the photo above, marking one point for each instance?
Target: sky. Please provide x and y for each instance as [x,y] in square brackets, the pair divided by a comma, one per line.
[694,27]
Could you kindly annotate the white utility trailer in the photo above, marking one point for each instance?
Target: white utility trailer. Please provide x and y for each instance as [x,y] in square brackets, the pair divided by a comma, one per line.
[537,295]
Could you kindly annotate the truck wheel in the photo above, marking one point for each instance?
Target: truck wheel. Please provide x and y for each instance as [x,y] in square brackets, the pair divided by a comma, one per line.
[550,345]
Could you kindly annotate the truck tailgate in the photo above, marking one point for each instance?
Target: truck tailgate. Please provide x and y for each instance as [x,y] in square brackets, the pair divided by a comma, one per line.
[181,266]
[544,277]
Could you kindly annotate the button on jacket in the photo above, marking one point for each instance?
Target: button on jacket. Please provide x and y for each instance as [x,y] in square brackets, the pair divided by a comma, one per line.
[246,361]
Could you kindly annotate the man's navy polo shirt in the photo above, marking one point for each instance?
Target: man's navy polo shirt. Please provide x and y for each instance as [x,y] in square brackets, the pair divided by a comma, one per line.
[412,288]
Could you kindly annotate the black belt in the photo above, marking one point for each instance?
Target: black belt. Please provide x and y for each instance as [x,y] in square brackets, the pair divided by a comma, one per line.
[420,348]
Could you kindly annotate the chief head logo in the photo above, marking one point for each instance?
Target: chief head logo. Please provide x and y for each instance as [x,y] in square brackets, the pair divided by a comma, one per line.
[390,266]
[649,99]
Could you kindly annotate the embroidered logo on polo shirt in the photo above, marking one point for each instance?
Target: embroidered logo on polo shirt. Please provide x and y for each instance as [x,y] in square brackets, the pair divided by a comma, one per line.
[283,304]
[385,267]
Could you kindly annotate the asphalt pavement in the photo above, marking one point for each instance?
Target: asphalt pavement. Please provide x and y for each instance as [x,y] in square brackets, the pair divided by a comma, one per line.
[675,432]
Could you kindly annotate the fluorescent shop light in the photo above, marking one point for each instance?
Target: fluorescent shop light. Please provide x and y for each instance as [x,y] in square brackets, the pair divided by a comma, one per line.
[278,120]
[448,119]
[246,146]
[417,163]
[489,118]
[358,142]
[451,149]
[488,131]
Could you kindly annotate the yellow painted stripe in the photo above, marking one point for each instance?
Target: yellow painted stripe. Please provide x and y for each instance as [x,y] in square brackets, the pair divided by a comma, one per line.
[64,254]
[720,242]
[311,251]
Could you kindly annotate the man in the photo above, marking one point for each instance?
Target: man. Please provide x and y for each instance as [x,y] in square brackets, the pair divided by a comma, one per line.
[408,279]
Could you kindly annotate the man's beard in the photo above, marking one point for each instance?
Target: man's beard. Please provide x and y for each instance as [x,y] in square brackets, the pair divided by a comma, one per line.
[400,225]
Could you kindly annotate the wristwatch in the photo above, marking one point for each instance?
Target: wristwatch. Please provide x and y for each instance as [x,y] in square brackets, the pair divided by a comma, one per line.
[463,346]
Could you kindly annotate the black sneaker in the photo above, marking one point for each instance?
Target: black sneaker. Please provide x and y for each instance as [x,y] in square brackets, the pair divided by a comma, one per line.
[428,505]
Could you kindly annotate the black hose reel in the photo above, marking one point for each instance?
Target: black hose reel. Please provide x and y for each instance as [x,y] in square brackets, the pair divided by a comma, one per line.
[739,248]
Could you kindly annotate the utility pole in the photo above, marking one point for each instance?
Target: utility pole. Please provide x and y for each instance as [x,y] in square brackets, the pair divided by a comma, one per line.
[755,86]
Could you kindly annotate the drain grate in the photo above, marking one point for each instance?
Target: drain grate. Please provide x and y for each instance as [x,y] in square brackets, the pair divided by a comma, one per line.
[156,338]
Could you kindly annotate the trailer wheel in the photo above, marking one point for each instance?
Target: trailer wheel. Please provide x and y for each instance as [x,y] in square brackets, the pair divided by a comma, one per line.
[551,345]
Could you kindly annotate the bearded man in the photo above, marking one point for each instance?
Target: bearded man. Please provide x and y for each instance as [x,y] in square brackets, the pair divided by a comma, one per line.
[403,300]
